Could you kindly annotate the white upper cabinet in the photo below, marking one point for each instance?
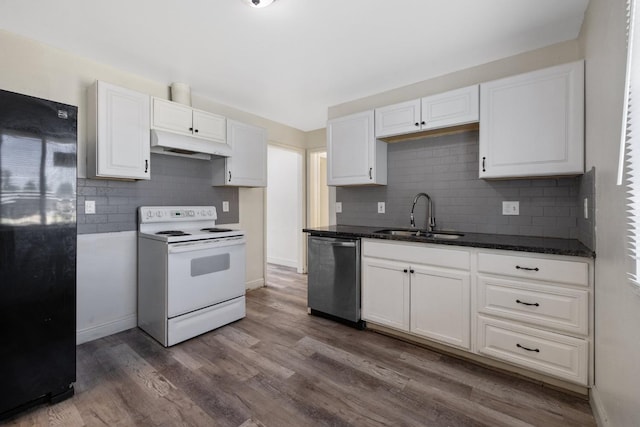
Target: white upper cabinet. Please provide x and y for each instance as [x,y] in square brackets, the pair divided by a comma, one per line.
[533,124]
[210,126]
[178,118]
[247,166]
[453,108]
[354,156]
[117,133]
[398,119]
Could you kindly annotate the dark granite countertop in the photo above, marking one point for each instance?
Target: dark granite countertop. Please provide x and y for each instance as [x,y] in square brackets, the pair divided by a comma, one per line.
[545,245]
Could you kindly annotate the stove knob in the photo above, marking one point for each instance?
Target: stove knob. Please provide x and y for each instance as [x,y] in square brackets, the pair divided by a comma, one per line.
[210,212]
[191,213]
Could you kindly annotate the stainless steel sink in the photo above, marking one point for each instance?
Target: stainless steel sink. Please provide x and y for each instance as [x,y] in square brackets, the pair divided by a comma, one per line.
[448,235]
[395,232]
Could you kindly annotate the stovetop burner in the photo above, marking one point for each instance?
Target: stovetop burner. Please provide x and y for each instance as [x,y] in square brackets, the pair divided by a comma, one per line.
[216,230]
[179,224]
[174,233]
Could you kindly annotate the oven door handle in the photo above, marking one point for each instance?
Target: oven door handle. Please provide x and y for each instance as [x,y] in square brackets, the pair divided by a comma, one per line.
[200,246]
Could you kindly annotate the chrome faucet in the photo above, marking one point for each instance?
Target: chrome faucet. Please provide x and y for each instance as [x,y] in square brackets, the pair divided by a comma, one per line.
[431,220]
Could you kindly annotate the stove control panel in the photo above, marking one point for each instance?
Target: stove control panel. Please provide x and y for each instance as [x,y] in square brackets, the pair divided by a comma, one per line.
[177,213]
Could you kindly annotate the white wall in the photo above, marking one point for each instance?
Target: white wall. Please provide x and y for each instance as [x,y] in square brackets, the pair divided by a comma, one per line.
[106,291]
[616,396]
[284,207]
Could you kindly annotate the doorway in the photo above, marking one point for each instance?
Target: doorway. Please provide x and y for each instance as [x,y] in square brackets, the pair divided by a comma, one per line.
[285,207]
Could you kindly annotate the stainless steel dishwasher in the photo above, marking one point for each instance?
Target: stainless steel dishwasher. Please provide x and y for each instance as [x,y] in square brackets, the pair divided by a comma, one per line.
[334,278]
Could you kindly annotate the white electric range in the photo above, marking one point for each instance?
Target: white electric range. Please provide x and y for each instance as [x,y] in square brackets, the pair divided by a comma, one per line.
[191,274]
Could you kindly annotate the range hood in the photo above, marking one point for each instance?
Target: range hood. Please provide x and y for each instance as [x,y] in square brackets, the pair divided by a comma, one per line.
[187,146]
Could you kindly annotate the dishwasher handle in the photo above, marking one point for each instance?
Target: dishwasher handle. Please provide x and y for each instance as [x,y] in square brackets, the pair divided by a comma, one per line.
[328,241]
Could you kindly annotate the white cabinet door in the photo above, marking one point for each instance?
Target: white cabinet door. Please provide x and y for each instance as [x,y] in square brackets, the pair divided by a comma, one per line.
[547,352]
[441,305]
[533,124]
[398,119]
[209,126]
[453,108]
[118,133]
[247,166]
[172,117]
[385,293]
[354,156]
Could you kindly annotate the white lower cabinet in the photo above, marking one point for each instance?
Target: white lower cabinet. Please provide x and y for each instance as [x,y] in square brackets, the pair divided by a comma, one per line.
[531,311]
[385,293]
[558,355]
[440,305]
[420,298]
[534,311]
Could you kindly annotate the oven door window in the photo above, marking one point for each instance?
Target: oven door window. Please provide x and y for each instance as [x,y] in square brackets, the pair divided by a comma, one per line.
[201,278]
[210,264]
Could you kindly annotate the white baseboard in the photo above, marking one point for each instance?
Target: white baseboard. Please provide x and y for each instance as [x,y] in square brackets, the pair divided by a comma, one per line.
[598,408]
[285,262]
[106,329]
[255,284]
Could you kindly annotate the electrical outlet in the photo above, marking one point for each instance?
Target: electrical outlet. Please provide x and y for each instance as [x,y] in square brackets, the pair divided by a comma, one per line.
[586,208]
[511,208]
[89,207]
[380,207]
[225,206]
[338,207]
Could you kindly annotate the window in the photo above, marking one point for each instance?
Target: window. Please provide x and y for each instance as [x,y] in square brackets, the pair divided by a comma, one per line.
[629,162]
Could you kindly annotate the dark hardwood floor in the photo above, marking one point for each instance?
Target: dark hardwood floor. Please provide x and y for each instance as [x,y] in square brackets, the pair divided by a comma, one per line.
[282,367]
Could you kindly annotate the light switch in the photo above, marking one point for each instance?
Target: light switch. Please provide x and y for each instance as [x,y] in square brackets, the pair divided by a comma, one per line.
[89,207]
[380,207]
[338,207]
[225,206]
[511,208]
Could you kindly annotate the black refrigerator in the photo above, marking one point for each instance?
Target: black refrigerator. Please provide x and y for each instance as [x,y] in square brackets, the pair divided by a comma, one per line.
[37,251]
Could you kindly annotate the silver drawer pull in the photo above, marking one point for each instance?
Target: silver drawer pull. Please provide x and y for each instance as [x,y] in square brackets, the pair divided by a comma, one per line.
[528,349]
[527,268]
[527,303]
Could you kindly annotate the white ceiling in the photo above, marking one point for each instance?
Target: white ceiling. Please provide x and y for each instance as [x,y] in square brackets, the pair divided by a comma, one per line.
[290,61]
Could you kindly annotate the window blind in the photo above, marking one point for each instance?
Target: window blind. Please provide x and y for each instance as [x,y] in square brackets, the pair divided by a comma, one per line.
[629,160]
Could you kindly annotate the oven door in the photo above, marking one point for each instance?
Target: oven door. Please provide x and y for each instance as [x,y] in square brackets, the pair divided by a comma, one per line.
[204,273]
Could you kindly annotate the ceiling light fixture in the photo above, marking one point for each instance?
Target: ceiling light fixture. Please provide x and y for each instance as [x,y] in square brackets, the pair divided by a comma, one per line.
[260,3]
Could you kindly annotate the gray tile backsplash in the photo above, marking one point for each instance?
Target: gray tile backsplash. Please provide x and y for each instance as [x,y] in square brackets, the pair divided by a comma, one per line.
[446,167]
[174,181]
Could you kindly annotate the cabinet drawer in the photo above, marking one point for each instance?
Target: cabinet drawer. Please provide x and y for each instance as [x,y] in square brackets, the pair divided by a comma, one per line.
[554,307]
[571,272]
[546,352]
[417,253]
